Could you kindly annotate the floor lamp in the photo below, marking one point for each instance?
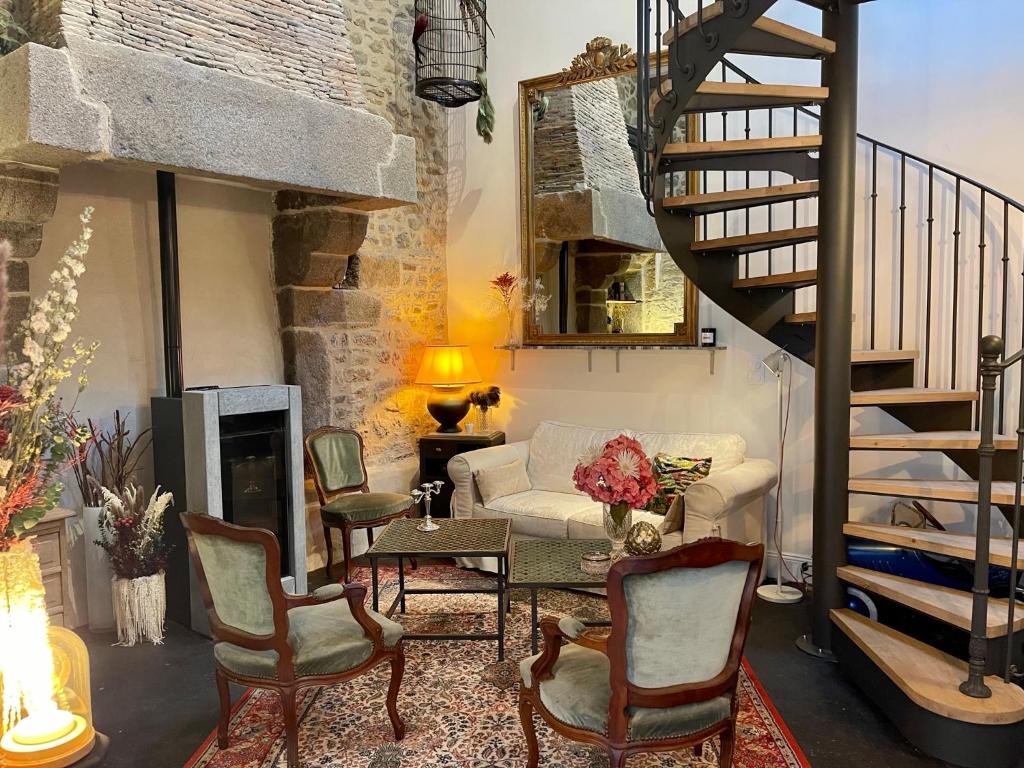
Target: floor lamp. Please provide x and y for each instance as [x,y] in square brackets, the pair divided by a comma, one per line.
[776,363]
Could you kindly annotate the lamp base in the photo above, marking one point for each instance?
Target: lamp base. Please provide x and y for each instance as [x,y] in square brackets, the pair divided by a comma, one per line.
[448,407]
[776,593]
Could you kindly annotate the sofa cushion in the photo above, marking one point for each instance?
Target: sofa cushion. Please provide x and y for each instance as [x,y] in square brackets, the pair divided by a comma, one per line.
[556,448]
[543,514]
[726,451]
[505,480]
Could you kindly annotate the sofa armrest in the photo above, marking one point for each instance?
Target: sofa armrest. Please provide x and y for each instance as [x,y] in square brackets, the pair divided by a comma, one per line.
[721,493]
[462,467]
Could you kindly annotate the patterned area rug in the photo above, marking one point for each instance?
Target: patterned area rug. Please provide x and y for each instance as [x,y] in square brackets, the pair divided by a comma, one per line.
[458,702]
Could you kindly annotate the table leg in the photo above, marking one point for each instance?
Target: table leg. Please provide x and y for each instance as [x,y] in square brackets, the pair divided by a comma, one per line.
[502,568]
[534,621]
[373,582]
[401,585]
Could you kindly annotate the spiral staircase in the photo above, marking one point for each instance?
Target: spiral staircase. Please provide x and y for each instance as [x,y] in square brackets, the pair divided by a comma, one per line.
[913,673]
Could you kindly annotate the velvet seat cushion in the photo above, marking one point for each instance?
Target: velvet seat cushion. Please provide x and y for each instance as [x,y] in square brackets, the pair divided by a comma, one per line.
[580,692]
[359,507]
[326,639]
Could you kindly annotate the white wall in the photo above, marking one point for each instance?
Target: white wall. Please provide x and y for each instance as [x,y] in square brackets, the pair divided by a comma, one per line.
[229,314]
[934,79]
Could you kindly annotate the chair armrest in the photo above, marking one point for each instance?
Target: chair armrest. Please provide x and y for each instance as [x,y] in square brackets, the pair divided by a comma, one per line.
[325,594]
[462,467]
[554,632]
[356,595]
[721,493]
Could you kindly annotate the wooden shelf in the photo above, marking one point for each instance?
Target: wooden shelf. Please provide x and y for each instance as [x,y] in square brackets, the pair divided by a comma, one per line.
[616,348]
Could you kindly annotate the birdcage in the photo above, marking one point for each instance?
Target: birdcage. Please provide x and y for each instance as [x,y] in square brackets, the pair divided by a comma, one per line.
[450,39]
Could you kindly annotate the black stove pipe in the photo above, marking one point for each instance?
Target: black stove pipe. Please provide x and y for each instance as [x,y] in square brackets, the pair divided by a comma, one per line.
[167,215]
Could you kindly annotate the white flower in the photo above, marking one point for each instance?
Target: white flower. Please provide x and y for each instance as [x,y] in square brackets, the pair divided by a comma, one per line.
[5,467]
[591,454]
[39,324]
[33,351]
[629,464]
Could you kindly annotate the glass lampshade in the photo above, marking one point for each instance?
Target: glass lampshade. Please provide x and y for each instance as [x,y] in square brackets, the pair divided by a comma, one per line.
[448,366]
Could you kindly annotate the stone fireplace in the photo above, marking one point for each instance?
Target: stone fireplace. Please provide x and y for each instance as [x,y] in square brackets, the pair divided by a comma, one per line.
[309,100]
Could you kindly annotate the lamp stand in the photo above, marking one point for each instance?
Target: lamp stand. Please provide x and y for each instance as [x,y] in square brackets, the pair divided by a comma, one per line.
[779,592]
[448,406]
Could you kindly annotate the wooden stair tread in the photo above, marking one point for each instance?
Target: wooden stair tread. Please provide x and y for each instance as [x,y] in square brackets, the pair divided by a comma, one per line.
[800,279]
[910,395]
[929,677]
[868,356]
[929,441]
[934,490]
[943,603]
[766,37]
[759,241]
[802,318]
[713,96]
[733,147]
[938,542]
[714,202]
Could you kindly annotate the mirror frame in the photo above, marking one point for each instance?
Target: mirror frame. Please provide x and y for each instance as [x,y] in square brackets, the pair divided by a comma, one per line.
[602,59]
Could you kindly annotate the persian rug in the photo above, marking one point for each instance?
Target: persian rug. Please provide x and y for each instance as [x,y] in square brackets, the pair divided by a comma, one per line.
[458,702]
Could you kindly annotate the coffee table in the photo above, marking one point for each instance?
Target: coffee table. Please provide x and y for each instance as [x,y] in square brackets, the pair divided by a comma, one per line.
[554,564]
[455,538]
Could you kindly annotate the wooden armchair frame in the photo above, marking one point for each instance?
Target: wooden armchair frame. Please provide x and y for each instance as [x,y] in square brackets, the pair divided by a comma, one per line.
[702,554]
[327,496]
[287,683]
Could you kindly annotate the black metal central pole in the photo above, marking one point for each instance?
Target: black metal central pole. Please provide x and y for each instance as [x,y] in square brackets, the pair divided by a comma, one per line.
[834,319]
[167,215]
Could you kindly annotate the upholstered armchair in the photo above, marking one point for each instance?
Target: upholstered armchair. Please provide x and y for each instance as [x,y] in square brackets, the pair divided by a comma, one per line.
[335,459]
[265,638]
[666,677]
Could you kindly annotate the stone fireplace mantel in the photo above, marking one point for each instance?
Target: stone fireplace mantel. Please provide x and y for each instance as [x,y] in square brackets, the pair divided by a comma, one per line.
[93,101]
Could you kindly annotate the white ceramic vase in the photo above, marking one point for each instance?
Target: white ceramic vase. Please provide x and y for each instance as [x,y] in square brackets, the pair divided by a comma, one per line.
[98,574]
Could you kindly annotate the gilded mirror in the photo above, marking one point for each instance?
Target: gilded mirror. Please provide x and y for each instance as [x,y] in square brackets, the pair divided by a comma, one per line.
[598,271]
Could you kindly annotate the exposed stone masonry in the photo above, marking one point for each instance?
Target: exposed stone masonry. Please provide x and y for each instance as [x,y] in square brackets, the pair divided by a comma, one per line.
[301,45]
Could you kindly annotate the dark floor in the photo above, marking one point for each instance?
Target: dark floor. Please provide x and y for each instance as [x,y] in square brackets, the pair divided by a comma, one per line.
[158,703]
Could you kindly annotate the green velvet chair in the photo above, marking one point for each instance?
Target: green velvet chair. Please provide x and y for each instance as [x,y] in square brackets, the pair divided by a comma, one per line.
[665,678]
[334,457]
[265,638]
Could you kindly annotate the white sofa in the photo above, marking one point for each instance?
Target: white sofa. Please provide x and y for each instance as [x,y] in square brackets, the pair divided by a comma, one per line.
[729,502]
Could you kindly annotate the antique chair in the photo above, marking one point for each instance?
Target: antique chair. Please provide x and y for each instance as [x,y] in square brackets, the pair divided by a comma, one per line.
[335,458]
[265,638]
[666,676]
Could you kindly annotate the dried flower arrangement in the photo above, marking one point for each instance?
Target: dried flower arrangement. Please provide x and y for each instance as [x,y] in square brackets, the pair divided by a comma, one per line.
[132,531]
[35,446]
[106,458]
[485,398]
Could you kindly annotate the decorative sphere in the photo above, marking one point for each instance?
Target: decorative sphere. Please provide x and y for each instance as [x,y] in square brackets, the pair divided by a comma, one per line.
[642,539]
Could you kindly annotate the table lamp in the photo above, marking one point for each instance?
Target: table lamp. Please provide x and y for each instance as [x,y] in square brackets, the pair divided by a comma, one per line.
[448,368]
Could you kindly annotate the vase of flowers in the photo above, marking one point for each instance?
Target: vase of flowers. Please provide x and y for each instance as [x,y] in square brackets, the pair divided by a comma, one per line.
[506,286]
[620,476]
[132,534]
[484,400]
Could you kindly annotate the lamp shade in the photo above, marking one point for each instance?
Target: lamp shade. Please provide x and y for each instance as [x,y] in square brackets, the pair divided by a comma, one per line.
[447,366]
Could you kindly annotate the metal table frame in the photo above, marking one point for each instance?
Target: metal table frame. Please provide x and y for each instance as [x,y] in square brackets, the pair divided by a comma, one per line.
[586,581]
[501,588]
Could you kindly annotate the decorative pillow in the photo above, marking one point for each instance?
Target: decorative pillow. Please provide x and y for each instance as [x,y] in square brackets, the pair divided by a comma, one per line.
[504,480]
[675,518]
[677,473]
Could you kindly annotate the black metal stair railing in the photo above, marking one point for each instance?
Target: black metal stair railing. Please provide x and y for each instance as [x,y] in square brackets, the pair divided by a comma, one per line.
[991,371]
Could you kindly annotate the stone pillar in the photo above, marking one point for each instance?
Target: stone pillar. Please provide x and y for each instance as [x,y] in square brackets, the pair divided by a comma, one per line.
[28,196]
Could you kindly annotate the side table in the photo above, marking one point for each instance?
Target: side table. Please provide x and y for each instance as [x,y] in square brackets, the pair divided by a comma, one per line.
[435,451]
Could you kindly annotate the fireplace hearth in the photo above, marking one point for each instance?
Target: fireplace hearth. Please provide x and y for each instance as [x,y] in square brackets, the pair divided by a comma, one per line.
[234,453]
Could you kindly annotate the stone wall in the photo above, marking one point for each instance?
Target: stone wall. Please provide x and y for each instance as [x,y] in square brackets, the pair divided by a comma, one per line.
[361,295]
[301,45]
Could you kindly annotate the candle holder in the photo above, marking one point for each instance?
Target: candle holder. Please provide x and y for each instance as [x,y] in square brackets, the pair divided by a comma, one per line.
[429,490]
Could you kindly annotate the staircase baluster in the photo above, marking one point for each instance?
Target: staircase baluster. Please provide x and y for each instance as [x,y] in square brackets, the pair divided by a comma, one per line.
[903,246]
[928,280]
[981,288]
[1006,278]
[746,231]
[796,131]
[1010,669]
[874,236]
[771,127]
[974,685]
[956,276]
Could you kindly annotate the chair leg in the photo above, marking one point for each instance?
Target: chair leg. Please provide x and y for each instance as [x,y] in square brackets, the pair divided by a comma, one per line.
[728,746]
[291,726]
[330,550]
[397,670]
[224,721]
[346,550]
[616,758]
[526,718]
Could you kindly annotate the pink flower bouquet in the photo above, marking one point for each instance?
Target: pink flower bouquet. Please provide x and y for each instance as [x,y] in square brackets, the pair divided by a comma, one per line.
[620,475]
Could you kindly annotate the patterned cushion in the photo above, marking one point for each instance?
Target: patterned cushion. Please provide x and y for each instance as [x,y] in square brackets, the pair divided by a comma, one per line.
[326,640]
[677,473]
[360,507]
[579,695]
